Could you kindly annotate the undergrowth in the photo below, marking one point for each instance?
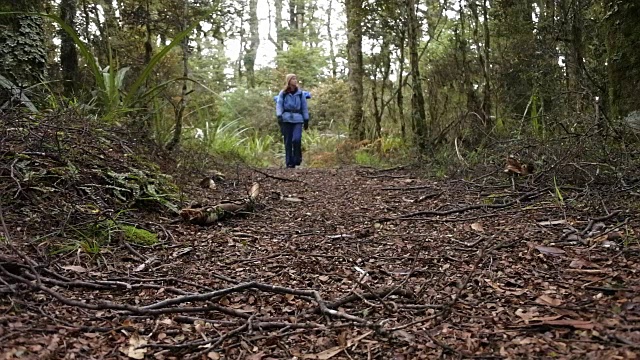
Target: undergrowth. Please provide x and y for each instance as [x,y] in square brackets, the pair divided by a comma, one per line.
[66,171]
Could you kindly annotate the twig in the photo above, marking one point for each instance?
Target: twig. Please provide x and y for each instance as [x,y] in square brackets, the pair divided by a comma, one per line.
[385,176]
[447,308]
[278,177]
[15,250]
[407,188]
[135,252]
[444,346]
[524,197]
[598,219]
[370,296]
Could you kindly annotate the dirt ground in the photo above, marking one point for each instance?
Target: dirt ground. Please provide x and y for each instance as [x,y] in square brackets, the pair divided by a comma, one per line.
[350,263]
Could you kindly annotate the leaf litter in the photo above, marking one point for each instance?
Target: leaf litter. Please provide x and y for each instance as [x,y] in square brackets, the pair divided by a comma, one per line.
[279,283]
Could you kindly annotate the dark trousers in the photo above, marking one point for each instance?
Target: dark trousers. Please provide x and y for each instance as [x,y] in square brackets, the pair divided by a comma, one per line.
[292,134]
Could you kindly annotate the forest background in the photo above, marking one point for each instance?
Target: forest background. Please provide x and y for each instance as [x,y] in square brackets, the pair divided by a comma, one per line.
[463,82]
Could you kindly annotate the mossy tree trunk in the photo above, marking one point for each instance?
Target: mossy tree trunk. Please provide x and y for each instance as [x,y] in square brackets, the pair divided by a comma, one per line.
[418,113]
[623,53]
[253,44]
[354,11]
[68,51]
[23,56]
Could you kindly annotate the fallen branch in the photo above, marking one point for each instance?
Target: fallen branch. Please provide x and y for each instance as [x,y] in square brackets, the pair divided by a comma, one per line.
[598,219]
[211,214]
[278,177]
[407,188]
[527,196]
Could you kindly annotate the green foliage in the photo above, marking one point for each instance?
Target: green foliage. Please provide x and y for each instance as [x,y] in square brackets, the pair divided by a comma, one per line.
[142,188]
[109,80]
[255,108]
[22,53]
[306,62]
[16,93]
[369,158]
[330,104]
[138,236]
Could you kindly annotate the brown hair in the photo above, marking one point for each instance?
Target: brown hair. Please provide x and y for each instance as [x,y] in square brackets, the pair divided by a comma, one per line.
[287,87]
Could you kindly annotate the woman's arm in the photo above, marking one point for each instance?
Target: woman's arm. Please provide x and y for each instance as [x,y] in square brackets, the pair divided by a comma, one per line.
[279,105]
[305,109]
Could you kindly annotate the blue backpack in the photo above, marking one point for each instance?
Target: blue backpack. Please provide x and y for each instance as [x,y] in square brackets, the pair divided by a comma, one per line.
[305,93]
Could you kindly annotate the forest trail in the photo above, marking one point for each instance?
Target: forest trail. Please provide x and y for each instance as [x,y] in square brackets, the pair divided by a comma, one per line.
[407,268]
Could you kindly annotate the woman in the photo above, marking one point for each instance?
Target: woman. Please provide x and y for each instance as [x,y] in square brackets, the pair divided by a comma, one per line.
[293,115]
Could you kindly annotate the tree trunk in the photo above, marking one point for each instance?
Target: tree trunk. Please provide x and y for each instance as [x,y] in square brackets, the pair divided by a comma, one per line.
[332,52]
[576,62]
[22,38]
[182,104]
[279,35]
[418,114]
[277,42]
[354,10]
[623,57]
[68,51]
[111,31]
[148,47]
[399,95]
[483,58]
[239,72]
[254,42]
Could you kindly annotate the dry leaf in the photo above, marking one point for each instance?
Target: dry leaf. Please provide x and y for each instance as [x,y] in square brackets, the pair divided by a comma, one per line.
[549,250]
[75,268]
[342,339]
[548,300]
[255,191]
[404,335]
[526,316]
[329,353]
[502,290]
[578,324]
[292,199]
[132,350]
[546,318]
[140,267]
[552,222]
[213,355]
[257,356]
[477,227]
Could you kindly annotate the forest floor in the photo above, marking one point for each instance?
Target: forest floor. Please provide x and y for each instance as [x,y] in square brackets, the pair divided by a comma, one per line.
[352,263]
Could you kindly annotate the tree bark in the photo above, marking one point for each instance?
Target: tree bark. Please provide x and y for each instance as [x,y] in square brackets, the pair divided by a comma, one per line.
[68,51]
[182,104]
[399,95]
[22,38]
[332,52]
[279,35]
[418,114]
[148,46]
[354,11]
[623,57]
[253,44]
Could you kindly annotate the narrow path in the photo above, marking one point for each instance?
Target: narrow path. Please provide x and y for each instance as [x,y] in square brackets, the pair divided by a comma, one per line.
[470,283]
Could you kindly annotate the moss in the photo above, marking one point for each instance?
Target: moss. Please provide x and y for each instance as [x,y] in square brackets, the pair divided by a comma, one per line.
[138,236]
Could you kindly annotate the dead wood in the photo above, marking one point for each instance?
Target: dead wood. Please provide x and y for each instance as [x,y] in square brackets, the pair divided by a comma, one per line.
[212,214]
[278,177]
[526,196]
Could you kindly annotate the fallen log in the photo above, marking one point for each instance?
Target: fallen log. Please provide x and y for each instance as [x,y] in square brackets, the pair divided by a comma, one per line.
[210,214]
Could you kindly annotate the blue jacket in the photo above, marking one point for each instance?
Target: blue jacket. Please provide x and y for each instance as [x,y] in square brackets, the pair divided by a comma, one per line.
[292,107]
